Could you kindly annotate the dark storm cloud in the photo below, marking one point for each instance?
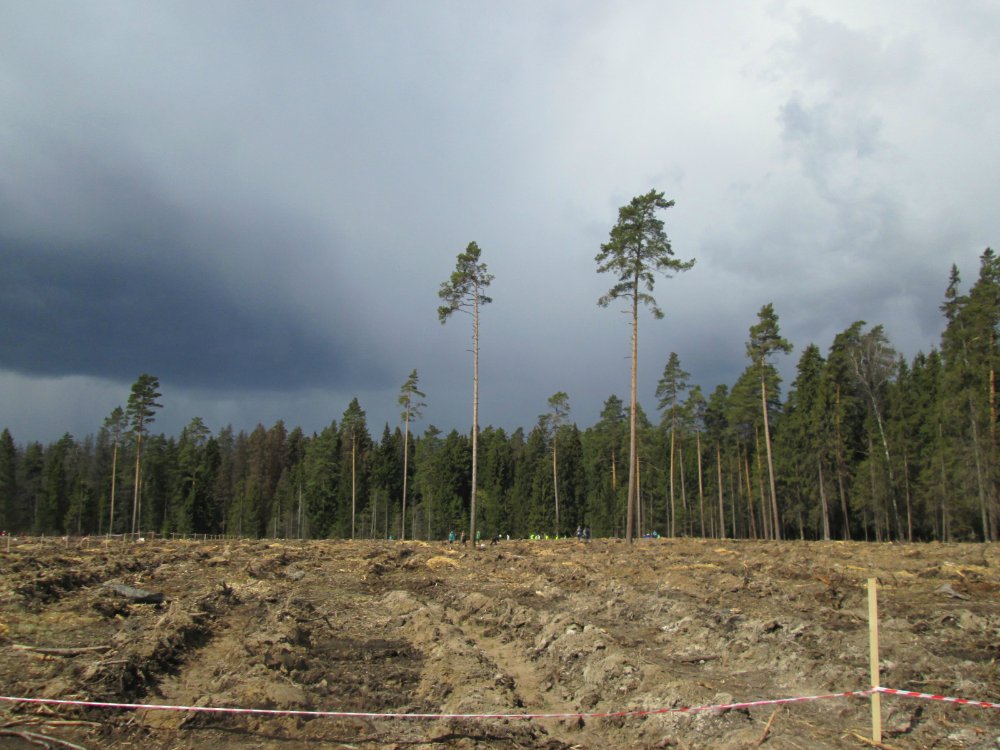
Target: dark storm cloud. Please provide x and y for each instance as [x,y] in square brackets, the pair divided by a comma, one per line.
[118,316]
[158,287]
[258,202]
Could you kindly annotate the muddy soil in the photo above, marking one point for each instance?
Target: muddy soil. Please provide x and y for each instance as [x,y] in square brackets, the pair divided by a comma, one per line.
[521,627]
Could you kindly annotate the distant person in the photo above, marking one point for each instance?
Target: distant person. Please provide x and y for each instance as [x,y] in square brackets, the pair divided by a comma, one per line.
[463,537]
[579,533]
[451,537]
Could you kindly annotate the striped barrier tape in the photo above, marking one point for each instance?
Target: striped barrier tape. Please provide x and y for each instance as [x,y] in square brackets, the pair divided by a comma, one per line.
[367,715]
[521,716]
[932,697]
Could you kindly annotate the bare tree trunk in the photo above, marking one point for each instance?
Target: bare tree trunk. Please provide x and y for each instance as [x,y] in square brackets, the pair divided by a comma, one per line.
[734,491]
[614,473]
[888,465]
[718,472]
[136,490]
[475,416]
[614,489]
[770,461]
[673,513]
[684,502]
[945,515]
[555,480]
[750,512]
[114,476]
[630,515]
[980,481]
[840,467]
[638,498]
[993,512]
[354,450]
[824,509]
[406,456]
[906,496]
[765,504]
[871,478]
[701,487]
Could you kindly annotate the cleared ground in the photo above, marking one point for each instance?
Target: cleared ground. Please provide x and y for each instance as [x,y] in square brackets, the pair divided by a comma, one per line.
[520,627]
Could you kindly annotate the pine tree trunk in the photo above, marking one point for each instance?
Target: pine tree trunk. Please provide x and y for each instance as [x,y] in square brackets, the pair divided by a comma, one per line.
[888,465]
[980,480]
[114,476]
[684,502]
[906,496]
[734,491]
[673,513]
[136,489]
[406,455]
[638,498]
[876,515]
[770,461]
[354,448]
[718,471]
[765,504]
[555,481]
[841,468]
[701,488]
[630,514]
[992,508]
[945,520]
[825,511]
[750,511]
[475,416]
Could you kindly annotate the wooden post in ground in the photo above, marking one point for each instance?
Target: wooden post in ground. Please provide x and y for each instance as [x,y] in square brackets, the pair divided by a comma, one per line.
[876,697]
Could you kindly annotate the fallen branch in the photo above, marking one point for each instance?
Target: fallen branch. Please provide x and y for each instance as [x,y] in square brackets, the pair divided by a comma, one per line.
[767,728]
[38,721]
[60,651]
[43,740]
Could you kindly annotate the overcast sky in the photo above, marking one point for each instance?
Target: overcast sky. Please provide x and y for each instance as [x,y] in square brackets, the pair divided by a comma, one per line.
[257,202]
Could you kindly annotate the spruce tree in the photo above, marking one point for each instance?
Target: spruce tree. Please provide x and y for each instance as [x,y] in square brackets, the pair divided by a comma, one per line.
[354,431]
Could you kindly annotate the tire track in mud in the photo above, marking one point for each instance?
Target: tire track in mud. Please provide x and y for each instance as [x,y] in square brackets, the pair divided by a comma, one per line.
[459,676]
[495,649]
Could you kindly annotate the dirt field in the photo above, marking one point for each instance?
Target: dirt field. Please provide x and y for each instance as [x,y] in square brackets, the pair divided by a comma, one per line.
[521,627]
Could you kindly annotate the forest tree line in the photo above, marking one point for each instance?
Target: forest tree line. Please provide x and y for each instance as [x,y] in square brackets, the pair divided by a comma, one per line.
[866,446]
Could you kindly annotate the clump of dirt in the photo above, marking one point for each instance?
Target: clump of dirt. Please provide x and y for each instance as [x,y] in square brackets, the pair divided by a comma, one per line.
[594,633]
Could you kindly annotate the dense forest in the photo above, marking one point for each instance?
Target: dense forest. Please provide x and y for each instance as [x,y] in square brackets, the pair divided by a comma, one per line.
[866,446]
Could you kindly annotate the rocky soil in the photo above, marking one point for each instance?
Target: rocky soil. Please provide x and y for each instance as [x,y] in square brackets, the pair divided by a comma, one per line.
[521,627]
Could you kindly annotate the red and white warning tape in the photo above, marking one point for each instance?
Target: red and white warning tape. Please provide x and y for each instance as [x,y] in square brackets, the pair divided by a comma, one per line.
[366,715]
[932,697]
[522,716]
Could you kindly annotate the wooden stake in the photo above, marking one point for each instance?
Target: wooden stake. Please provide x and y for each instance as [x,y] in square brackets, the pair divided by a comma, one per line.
[873,650]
